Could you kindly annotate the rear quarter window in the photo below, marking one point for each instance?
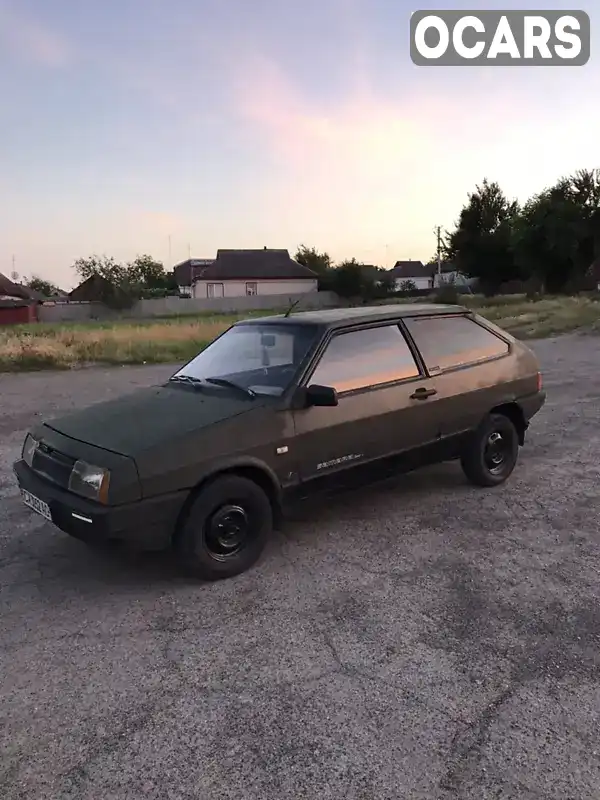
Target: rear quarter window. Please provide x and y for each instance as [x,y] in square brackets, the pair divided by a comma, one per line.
[447,342]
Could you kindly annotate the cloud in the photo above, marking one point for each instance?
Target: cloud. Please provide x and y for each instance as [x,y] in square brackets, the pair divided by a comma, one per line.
[371,167]
[343,173]
[366,133]
[360,132]
[31,41]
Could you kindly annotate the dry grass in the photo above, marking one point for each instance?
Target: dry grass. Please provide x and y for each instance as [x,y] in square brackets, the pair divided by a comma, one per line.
[537,319]
[178,339]
[64,346]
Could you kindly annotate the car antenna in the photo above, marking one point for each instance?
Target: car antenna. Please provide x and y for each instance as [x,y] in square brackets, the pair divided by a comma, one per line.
[291,308]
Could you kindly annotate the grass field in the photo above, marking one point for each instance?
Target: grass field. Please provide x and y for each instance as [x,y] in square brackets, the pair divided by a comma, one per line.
[177,339]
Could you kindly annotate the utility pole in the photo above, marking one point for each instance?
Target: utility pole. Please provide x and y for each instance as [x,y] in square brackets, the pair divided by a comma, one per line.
[438,232]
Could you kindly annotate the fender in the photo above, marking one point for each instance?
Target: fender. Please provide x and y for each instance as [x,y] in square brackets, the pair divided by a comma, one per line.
[230,463]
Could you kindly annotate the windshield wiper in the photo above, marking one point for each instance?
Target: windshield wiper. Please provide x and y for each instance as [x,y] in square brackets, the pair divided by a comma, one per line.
[187,379]
[231,385]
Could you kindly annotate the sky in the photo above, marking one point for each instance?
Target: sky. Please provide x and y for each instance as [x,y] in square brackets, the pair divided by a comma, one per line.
[175,128]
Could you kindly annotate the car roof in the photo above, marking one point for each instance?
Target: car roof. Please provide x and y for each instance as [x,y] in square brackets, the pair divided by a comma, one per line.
[340,317]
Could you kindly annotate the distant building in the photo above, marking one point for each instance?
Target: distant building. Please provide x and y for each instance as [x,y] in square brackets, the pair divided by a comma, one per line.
[91,290]
[425,276]
[239,273]
[97,289]
[8,289]
[414,271]
[18,305]
[186,272]
[450,274]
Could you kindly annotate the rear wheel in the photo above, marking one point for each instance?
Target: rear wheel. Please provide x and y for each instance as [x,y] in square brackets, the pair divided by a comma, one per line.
[491,454]
[225,530]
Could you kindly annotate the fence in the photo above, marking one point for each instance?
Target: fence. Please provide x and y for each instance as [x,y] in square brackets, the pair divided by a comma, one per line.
[176,306]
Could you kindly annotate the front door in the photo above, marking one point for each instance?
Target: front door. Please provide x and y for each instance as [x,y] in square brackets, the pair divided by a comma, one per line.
[376,377]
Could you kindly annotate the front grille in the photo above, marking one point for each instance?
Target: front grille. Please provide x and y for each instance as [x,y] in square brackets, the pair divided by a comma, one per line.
[54,466]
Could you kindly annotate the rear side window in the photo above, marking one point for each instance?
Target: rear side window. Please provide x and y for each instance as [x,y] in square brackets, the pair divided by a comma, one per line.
[361,359]
[446,342]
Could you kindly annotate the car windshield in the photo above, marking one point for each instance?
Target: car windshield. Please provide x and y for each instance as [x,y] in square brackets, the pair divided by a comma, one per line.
[261,359]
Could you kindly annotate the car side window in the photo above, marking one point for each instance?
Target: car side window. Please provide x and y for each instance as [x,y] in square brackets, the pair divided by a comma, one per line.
[365,358]
[447,342]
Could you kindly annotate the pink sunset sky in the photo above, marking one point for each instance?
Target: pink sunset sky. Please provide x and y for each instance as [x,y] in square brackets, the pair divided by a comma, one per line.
[126,125]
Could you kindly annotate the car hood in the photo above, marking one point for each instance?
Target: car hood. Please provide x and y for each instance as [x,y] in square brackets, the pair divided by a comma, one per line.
[136,422]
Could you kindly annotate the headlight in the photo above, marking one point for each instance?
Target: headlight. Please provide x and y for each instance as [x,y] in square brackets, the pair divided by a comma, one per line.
[30,445]
[90,481]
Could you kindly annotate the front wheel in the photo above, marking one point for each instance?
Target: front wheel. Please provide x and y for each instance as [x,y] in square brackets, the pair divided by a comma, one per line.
[225,530]
[491,454]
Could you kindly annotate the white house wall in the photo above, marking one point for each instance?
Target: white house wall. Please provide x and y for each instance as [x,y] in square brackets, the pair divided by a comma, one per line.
[446,278]
[233,288]
[455,278]
[420,283]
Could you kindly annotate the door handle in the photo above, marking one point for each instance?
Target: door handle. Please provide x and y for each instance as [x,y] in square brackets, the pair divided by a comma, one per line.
[423,393]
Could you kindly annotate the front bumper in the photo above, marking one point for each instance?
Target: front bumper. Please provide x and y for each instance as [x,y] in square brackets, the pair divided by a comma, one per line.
[145,525]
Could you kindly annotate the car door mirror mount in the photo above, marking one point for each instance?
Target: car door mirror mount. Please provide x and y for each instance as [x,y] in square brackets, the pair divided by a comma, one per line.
[323,396]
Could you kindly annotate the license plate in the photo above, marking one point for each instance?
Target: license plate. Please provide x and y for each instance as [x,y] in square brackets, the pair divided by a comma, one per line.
[36,504]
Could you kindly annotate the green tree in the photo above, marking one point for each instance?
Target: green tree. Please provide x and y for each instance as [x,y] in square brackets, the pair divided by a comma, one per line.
[311,258]
[104,266]
[481,243]
[386,283]
[585,188]
[408,286]
[147,278]
[144,277]
[557,236]
[42,286]
[349,281]
[147,272]
[117,292]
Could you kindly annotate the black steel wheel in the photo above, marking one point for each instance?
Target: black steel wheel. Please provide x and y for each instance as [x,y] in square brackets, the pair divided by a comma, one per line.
[497,449]
[491,454]
[225,530]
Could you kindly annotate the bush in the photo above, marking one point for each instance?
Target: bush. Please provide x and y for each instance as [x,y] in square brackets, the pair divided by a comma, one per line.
[513,287]
[408,286]
[534,289]
[583,283]
[447,293]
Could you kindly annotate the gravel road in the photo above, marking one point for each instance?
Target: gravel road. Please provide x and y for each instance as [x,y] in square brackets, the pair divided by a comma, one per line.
[420,639]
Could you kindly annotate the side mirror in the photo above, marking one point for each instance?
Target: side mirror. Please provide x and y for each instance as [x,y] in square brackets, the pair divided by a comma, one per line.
[321,396]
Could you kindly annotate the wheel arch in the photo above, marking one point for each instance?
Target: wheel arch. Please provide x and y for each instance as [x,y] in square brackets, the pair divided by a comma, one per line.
[513,411]
[252,469]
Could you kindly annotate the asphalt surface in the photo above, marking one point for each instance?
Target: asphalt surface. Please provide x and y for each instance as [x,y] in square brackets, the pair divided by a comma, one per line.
[420,639]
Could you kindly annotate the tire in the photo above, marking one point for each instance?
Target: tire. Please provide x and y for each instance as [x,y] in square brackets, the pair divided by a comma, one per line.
[491,454]
[207,545]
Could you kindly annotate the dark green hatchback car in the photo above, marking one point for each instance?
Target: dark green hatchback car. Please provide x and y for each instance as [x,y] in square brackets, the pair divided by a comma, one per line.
[275,410]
